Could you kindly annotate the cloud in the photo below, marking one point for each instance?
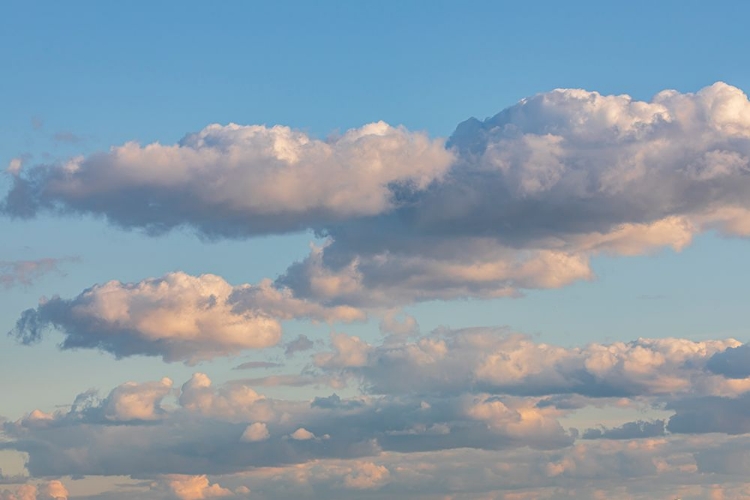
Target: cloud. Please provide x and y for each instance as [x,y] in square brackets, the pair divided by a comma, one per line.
[629,430]
[498,361]
[521,200]
[734,362]
[194,488]
[255,432]
[250,365]
[539,189]
[68,137]
[178,317]
[302,434]
[27,272]
[54,490]
[366,476]
[480,395]
[240,180]
[301,343]
[133,401]
[730,415]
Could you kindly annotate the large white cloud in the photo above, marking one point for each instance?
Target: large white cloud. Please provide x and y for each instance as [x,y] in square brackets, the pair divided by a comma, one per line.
[178,317]
[239,180]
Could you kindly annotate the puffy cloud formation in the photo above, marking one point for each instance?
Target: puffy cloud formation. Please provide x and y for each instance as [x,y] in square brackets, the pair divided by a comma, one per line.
[132,401]
[54,490]
[521,200]
[496,361]
[255,432]
[178,317]
[194,488]
[237,180]
[540,188]
[479,389]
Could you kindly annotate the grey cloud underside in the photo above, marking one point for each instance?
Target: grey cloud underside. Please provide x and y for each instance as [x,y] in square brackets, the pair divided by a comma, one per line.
[449,428]
[559,163]
[629,430]
[137,430]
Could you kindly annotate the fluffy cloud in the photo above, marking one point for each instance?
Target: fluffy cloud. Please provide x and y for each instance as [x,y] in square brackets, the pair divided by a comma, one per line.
[194,488]
[237,180]
[255,432]
[497,361]
[520,200]
[541,187]
[54,490]
[483,389]
[132,401]
[178,317]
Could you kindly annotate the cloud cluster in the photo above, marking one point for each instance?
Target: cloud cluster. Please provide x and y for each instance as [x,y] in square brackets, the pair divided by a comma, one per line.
[178,317]
[520,200]
[479,388]
[54,490]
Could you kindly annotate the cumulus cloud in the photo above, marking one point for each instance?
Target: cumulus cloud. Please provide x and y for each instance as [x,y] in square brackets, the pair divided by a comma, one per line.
[521,200]
[495,360]
[302,434]
[178,317]
[133,401]
[54,490]
[255,432]
[237,180]
[476,388]
[194,488]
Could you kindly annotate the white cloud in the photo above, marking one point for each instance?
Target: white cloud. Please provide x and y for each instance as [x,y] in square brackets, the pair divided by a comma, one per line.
[302,434]
[234,179]
[255,432]
[178,317]
[194,488]
[133,401]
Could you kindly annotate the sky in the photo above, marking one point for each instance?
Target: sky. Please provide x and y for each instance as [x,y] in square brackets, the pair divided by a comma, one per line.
[418,250]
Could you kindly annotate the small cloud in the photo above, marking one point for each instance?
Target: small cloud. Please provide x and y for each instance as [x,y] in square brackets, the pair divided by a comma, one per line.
[302,434]
[250,365]
[66,136]
[26,272]
[37,123]
[301,343]
[651,297]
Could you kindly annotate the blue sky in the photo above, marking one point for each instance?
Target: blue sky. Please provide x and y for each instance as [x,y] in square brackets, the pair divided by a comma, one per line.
[585,222]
